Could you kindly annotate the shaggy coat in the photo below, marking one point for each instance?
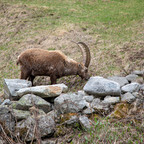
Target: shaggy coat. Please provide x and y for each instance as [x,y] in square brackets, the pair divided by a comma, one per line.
[38,62]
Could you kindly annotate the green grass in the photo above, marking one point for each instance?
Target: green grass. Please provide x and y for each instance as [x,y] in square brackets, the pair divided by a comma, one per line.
[115,132]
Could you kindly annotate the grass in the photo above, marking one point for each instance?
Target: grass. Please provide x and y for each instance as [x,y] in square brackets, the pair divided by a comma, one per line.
[106,25]
[113,29]
[113,133]
[104,131]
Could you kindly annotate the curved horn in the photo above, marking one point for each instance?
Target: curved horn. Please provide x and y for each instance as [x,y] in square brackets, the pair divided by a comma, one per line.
[85,50]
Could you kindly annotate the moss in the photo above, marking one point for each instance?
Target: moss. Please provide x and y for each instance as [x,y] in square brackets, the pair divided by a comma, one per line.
[94,116]
[60,130]
[14,105]
[121,110]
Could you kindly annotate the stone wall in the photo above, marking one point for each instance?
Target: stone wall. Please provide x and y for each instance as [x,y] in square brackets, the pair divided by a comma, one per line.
[26,109]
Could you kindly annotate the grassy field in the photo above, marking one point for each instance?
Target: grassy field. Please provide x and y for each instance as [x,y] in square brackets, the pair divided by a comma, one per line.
[113,29]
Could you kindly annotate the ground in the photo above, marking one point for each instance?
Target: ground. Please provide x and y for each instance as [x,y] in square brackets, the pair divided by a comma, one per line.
[113,30]
[115,37]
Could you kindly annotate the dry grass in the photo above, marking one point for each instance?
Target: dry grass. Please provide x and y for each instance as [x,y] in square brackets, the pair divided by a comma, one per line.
[112,29]
[30,26]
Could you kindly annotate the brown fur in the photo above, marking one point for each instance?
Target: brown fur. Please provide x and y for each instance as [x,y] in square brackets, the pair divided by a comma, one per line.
[39,62]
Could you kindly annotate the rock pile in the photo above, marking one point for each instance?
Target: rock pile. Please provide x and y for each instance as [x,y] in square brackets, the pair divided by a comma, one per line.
[27,108]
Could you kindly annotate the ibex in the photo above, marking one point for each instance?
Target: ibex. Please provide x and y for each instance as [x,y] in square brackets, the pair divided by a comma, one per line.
[55,64]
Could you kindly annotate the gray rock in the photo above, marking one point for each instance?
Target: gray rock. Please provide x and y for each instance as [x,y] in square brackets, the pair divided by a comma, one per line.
[88,111]
[82,93]
[6,102]
[2,141]
[20,114]
[133,87]
[100,87]
[46,127]
[142,87]
[48,141]
[111,100]
[120,80]
[88,98]
[69,102]
[85,122]
[128,97]
[11,86]
[1,101]
[42,91]
[73,120]
[98,106]
[30,100]
[131,77]
[138,72]
[63,87]
[96,100]
[7,118]
[136,95]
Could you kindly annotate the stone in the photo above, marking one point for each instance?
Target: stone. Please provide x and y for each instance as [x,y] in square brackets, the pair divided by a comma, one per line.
[98,106]
[30,100]
[131,77]
[142,87]
[100,87]
[133,87]
[46,127]
[128,97]
[138,72]
[6,102]
[7,118]
[85,122]
[2,141]
[73,120]
[88,111]
[1,101]
[33,110]
[88,98]
[20,114]
[48,141]
[11,86]
[82,93]
[111,100]
[137,95]
[63,87]
[42,91]
[120,80]
[70,102]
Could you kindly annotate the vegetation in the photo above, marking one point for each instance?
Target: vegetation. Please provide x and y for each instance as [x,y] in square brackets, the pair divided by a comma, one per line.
[113,29]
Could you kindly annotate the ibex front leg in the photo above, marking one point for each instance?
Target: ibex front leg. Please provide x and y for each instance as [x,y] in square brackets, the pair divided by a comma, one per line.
[53,79]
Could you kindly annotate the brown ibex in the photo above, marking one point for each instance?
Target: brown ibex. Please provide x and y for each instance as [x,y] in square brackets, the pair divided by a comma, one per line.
[38,62]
